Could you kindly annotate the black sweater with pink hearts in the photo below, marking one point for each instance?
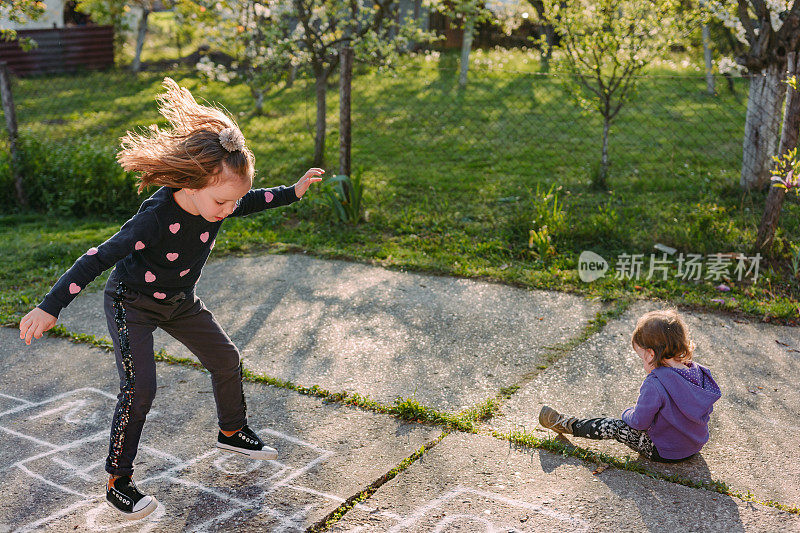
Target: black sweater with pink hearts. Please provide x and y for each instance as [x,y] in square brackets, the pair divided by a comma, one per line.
[159,252]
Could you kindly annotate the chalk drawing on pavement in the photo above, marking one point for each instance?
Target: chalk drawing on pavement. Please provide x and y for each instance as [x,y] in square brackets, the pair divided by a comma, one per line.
[59,432]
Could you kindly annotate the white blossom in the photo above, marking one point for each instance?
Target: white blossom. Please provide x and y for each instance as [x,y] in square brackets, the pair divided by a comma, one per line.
[726,65]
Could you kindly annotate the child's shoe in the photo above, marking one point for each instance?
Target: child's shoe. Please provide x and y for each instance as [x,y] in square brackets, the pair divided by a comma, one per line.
[246,442]
[124,497]
[552,419]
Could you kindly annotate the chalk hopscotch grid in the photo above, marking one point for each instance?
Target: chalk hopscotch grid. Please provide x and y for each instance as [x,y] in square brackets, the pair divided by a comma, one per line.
[413,521]
[294,522]
[569,522]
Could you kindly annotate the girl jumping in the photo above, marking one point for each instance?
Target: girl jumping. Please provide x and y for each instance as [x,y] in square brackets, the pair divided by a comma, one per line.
[670,420]
[205,173]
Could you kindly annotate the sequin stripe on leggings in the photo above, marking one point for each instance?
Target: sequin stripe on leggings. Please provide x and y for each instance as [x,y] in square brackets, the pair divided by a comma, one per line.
[241,376]
[123,415]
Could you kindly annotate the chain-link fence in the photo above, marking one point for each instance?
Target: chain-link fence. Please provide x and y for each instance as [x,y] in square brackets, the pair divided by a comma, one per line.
[535,120]
[418,115]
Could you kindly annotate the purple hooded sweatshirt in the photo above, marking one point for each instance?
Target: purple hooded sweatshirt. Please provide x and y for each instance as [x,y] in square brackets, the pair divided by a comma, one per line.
[675,410]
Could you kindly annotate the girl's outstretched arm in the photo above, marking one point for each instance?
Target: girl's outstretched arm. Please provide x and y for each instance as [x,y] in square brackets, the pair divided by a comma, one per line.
[260,199]
[136,234]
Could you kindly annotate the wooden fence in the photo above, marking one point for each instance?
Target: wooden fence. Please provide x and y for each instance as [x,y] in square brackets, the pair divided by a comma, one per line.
[60,49]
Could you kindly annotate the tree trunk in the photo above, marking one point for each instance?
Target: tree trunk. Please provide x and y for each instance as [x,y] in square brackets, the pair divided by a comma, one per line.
[550,39]
[140,35]
[709,65]
[549,35]
[729,80]
[179,42]
[466,48]
[346,67]
[178,21]
[602,174]
[321,86]
[789,136]
[258,95]
[764,104]
[292,75]
[420,19]
[11,124]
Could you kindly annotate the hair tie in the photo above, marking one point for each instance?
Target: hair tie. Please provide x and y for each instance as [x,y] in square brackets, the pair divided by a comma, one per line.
[231,139]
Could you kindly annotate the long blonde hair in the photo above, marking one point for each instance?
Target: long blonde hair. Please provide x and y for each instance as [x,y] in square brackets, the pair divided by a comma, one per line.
[192,152]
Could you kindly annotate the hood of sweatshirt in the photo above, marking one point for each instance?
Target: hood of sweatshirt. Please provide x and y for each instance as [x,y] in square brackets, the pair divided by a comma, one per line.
[694,402]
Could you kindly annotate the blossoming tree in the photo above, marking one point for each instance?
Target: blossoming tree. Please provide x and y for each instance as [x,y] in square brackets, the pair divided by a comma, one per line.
[267,38]
[605,44]
[257,36]
[769,30]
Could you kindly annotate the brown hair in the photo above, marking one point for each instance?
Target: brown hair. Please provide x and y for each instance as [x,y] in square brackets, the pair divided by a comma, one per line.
[191,154]
[666,334]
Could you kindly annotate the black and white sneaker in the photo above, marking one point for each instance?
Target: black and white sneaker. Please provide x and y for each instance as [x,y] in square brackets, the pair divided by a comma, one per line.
[124,497]
[246,442]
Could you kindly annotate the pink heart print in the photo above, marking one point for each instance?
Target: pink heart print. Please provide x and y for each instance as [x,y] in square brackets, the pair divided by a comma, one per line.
[149,277]
[204,236]
[184,272]
[175,227]
[159,295]
[138,246]
[91,251]
[268,196]
[172,256]
[74,289]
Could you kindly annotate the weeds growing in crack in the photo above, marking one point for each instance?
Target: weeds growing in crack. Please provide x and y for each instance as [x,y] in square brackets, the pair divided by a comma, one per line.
[522,440]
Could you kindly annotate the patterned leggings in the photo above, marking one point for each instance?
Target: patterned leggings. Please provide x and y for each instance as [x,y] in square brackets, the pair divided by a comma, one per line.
[612,428]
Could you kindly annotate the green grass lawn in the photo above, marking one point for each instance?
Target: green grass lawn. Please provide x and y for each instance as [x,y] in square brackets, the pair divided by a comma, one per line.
[454,180]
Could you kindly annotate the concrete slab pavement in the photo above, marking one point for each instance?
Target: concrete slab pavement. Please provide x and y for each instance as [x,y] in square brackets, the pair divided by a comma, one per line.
[447,342]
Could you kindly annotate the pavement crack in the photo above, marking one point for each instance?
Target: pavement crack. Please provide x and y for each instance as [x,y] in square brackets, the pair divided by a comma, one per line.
[334,516]
[490,407]
[611,311]
[403,408]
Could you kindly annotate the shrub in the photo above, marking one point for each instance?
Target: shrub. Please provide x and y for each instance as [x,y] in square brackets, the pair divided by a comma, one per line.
[345,206]
[78,179]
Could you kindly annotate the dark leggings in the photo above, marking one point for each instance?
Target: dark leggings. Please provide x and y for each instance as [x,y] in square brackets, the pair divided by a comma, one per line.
[613,428]
[132,317]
